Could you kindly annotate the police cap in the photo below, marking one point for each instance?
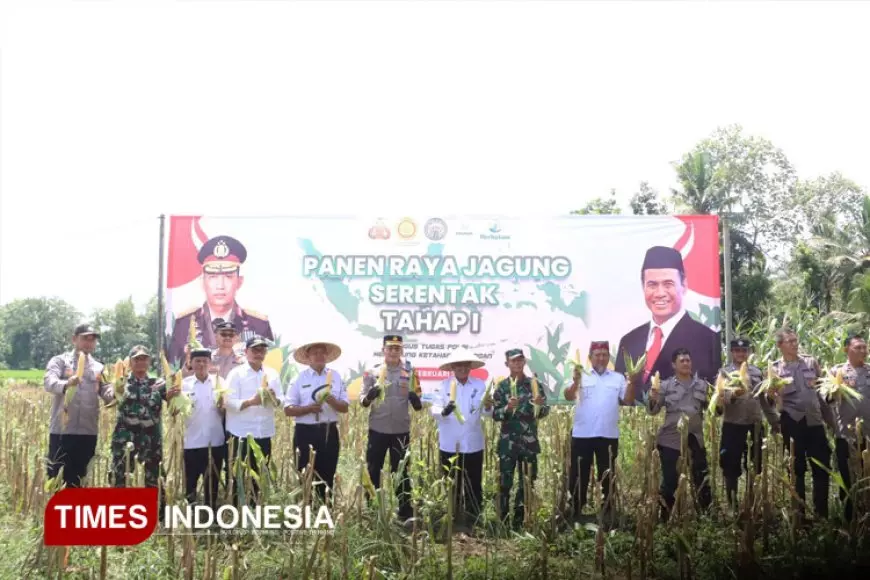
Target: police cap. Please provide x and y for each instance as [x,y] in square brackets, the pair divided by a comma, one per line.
[222,254]
[392,340]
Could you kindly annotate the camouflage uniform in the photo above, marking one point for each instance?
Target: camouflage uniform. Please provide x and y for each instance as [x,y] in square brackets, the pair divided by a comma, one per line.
[139,423]
[518,443]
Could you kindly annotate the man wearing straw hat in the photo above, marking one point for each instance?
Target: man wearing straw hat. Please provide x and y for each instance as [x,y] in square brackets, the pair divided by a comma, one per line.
[599,392]
[315,399]
[458,406]
[386,390]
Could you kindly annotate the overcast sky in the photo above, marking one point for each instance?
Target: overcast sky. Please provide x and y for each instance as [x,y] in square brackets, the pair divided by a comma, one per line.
[121,111]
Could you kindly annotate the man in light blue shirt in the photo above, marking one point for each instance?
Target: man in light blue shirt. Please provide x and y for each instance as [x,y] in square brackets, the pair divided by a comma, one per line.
[599,392]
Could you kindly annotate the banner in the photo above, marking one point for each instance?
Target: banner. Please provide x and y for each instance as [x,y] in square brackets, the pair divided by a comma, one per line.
[486,283]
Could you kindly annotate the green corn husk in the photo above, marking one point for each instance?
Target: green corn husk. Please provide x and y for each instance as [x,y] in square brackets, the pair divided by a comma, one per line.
[833,386]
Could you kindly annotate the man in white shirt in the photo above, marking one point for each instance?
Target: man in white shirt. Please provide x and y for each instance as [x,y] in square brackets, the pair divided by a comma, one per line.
[599,393]
[315,399]
[462,439]
[204,440]
[248,414]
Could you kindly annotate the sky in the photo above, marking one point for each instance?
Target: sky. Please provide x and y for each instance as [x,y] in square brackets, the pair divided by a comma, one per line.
[112,113]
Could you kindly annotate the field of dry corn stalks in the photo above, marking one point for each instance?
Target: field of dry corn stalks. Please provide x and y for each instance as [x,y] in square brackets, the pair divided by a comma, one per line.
[763,539]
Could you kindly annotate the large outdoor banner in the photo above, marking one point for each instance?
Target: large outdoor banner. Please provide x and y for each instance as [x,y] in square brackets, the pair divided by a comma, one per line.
[486,283]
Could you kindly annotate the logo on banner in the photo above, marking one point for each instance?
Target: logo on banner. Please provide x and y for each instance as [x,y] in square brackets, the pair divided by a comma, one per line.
[129,516]
[494,232]
[379,231]
[407,229]
[435,229]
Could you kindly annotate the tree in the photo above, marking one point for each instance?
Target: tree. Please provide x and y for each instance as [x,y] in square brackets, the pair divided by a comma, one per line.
[600,206]
[122,328]
[647,202]
[36,329]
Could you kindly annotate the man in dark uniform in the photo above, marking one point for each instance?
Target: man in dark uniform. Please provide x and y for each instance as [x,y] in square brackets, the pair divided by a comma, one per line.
[221,258]
[670,327]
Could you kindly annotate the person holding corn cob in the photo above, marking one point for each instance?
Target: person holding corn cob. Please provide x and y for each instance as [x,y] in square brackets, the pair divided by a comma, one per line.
[138,429]
[683,397]
[389,390]
[75,379]
[518,404]
[314,400]
[204,438]
[849,409]
[599,393]
[803,417]
[459,404]
[254,392]
[742,416]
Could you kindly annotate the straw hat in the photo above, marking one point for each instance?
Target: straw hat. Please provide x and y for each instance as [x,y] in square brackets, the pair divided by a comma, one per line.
[461,355]
[333,351]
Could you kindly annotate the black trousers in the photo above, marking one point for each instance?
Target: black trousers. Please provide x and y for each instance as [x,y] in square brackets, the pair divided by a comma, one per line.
[842,450]
[396,444]
[734,454]
[809,443]
[469,481]
[670,475]
[73,453]
[242,453]
[583,451]
[323,438]
[197,465]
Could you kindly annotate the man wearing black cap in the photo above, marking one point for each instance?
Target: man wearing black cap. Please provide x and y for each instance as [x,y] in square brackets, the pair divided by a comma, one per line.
[72,439]
[386,390]
[204,438]
[742,412]
[670,327]
[221,258]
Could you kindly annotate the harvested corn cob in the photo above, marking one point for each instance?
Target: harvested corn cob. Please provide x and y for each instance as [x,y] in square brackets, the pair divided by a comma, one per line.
[632,367]
[535,392]
[71,391]
[834,386]
[487,395]
[456,411]
[191,335]
[267,396]
[220,391]
[773,383]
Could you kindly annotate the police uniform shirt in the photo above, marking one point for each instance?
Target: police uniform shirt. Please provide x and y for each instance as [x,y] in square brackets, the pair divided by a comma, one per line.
[243,383]
[846,411]
[597,408]
[392,415]
[680,398]
[469,397]
[224,363]
[204,426]
[747,408]
[83,414]
[799,399]
[310,384]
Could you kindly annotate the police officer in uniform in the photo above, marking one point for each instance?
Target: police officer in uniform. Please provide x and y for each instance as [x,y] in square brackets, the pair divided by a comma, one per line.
[221,258]
[390,418]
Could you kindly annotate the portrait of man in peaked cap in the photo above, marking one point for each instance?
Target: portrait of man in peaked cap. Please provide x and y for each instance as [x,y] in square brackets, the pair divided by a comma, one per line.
[221,258]
[663,279]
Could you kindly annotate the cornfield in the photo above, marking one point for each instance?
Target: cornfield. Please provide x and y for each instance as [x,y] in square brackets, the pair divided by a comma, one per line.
[763,538]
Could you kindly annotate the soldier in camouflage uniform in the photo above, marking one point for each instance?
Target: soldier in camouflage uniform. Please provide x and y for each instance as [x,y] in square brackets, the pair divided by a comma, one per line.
[518,445]
[856,374]
[138,424]
[742,412]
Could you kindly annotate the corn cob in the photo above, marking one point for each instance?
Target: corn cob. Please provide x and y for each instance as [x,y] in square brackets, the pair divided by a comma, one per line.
[191,335]
[578,365]
[656,382]
[535,392]
[220,391]
[325,392]
[71,391]
[632,367]
[834,386]
[487,395]
[514,392]
[382,383]
[167,370]
[456,411]
[120,382]
[267,396]
[415,383]
[773,383]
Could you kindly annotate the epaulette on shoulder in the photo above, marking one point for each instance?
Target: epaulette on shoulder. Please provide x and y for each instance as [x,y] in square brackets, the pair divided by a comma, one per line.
[187,312]
[255,314]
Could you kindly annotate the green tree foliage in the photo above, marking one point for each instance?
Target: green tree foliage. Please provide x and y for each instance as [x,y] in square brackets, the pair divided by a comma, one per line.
[647,202]
[34,330]
[600,206]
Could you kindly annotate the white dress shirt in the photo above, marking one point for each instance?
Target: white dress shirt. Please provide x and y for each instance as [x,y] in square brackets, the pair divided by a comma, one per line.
[667,327]
[204,427]
[597,407]
[468,400]
[257,420]
[302,391]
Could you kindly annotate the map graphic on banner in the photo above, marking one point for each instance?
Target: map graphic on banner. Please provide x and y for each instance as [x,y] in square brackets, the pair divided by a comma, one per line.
[550,286]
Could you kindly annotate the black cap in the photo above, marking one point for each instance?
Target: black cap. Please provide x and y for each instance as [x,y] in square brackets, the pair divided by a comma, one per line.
[85,330]
[514,353]
[139,350]
[222,254]
[256,341]
[662,257]
[392,339]
[225,325]
[740,343]
[197,352]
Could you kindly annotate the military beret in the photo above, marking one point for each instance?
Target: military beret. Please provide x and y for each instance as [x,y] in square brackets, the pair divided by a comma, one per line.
[85,330]
[256,341]
[139,350]
[514,353]
[740,343]
[392,339]
[197,352]
[662,257]
[222,254]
